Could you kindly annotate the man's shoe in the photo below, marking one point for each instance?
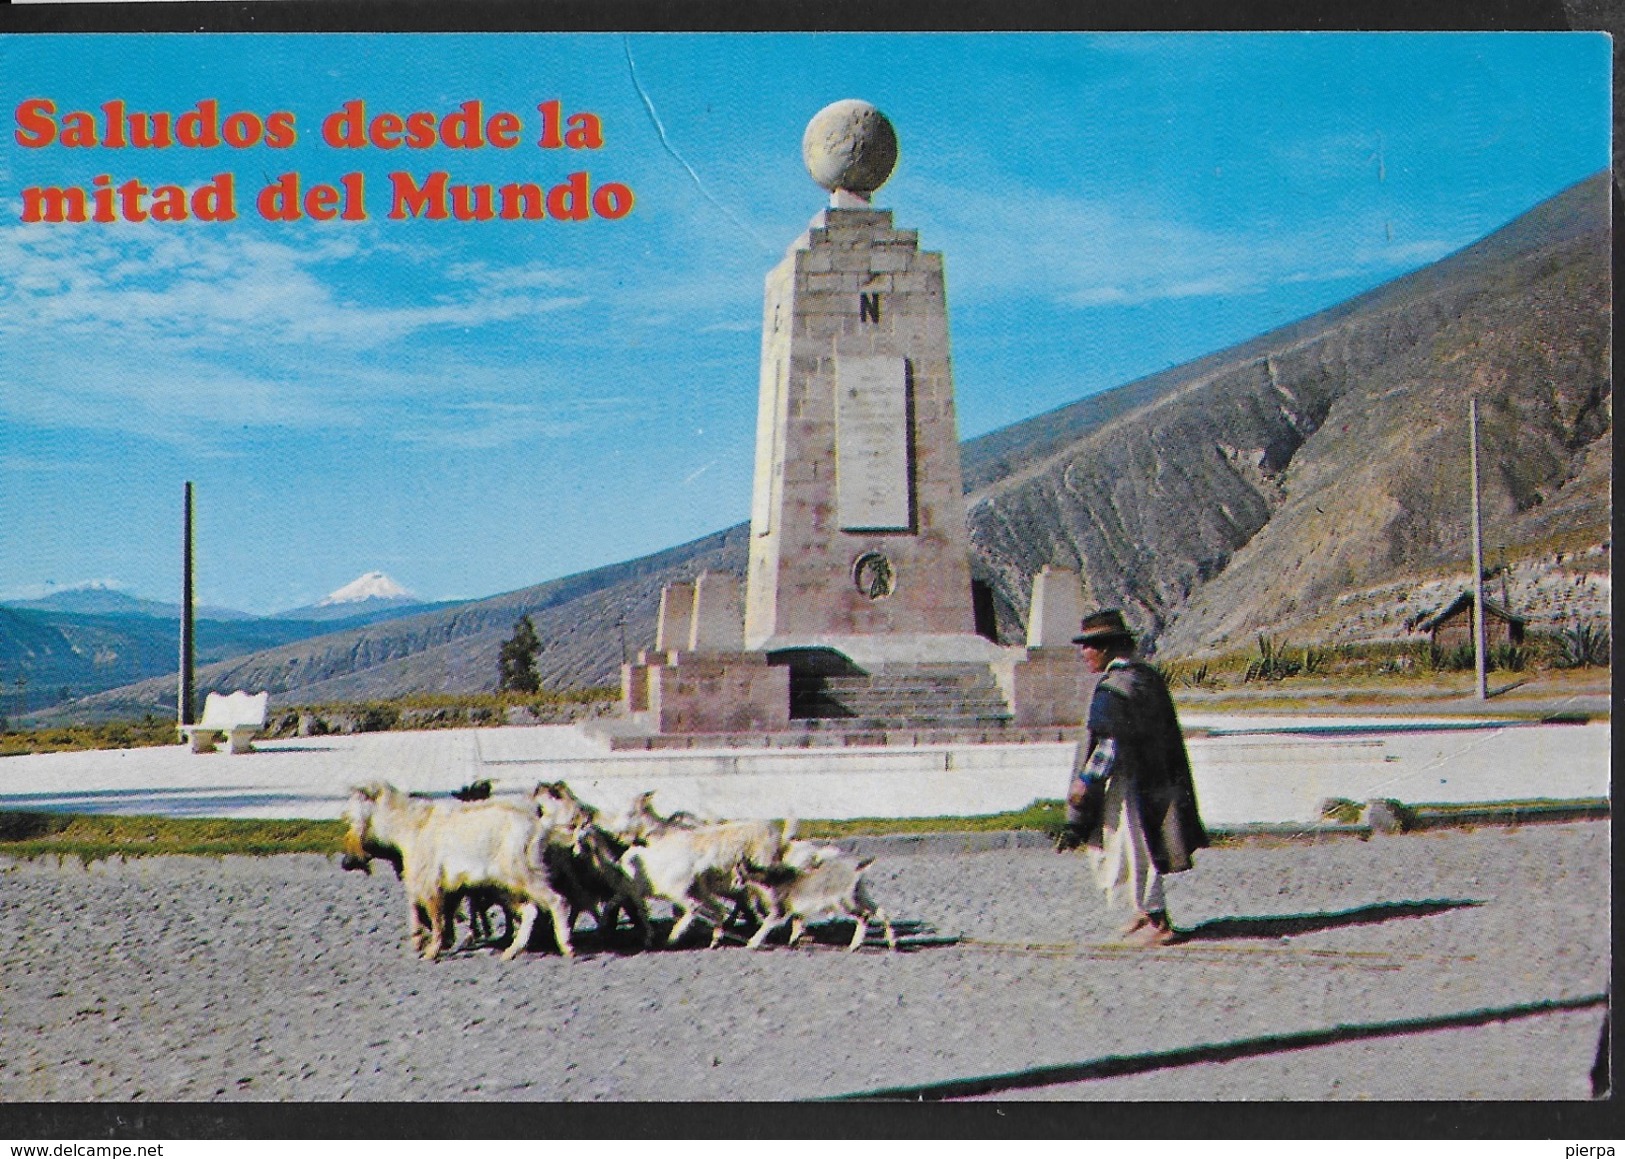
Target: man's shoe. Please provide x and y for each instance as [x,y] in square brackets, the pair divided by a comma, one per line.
[1139,923]
[1155,932]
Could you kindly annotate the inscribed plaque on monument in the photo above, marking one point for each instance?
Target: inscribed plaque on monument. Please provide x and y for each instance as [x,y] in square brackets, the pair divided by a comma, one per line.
[872,484]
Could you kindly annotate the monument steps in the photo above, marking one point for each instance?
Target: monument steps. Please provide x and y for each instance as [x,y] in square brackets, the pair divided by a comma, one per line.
[836,705]
[956,697]
[806,738]
[953,723]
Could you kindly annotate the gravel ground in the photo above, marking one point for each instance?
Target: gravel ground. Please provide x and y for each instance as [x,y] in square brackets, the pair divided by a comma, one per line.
[181,979]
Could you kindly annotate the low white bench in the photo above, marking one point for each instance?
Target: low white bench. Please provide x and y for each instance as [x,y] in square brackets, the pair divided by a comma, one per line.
[238,716]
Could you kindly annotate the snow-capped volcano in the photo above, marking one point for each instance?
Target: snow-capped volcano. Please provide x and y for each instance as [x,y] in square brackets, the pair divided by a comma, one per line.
[375,585]
[374,596]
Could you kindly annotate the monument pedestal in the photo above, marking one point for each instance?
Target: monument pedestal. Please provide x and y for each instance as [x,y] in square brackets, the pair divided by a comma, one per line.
[706,692]
[1048,687]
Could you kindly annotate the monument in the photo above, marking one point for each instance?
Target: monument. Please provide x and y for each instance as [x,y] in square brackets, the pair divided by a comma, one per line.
[858,602]
[858,538]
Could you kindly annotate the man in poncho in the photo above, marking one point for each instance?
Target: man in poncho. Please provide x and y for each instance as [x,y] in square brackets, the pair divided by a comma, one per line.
[1147,824]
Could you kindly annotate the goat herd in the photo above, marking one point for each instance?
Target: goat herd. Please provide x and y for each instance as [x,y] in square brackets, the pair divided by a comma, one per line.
[554,854]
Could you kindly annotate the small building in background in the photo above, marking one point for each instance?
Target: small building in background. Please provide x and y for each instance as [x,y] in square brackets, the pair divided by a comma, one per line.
[1453,627]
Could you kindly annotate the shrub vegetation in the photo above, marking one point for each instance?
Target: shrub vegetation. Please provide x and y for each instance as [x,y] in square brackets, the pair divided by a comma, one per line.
[77,737]
[1277,660]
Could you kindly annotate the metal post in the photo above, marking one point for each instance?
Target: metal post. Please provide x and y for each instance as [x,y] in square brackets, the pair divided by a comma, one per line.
[1480,668]
[183,707]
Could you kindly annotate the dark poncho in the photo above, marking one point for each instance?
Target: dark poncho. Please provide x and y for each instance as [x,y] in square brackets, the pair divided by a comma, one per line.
[1132,706]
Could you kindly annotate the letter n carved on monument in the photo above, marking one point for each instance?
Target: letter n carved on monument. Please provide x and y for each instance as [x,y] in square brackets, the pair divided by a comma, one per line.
[869,307]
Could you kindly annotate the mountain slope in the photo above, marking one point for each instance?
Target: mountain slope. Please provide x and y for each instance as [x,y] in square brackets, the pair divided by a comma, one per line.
[54,651]
[64,654]
[1330,455]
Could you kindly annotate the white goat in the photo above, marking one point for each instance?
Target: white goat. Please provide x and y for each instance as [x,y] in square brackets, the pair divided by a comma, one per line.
[642,822]
[451,848]
[478,901]
[806,854]
[698,869]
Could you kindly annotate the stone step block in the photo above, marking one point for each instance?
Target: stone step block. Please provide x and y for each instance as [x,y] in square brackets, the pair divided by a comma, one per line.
[823,707]
[904,693]
[920,682]
[940,697]
[862,723]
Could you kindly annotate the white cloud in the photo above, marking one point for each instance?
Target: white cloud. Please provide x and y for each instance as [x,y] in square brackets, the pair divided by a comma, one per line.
[174,334]
[183,400]
[472,430]
[1092,252]
[500,279]
[488,423]
[171,332]
[33,464]
[205,288]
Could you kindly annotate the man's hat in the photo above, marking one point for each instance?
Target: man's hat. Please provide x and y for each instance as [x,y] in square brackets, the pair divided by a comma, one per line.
[1101,627]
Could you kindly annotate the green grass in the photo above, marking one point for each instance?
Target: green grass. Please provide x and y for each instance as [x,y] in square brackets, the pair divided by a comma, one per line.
[1533,804]
[1040,815]
[93,836]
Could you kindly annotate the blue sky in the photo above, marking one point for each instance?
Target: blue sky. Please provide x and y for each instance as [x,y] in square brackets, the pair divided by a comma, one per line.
[473,407]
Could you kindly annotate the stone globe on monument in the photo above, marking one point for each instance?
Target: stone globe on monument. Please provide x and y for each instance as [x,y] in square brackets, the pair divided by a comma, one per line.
[850,148]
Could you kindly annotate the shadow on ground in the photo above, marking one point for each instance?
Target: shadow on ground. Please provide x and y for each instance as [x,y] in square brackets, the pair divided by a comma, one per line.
[1290,925]
[1116,1065]
[585,940]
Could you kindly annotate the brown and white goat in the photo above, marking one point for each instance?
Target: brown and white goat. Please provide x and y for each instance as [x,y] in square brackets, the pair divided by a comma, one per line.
[587,872]
[814,883]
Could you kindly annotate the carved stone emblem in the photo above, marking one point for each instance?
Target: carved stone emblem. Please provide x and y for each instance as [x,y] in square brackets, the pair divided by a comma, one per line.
[873,575]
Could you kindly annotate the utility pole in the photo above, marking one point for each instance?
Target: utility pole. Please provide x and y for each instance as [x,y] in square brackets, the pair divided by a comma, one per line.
[183,706]
[1481,688]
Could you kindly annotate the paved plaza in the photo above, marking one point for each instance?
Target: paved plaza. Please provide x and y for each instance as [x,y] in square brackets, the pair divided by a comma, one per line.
[1457,964]
[1451,964]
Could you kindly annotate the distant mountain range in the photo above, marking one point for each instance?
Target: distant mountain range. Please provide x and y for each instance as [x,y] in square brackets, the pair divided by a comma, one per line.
[96,600]
[80,641]
[1310,482]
